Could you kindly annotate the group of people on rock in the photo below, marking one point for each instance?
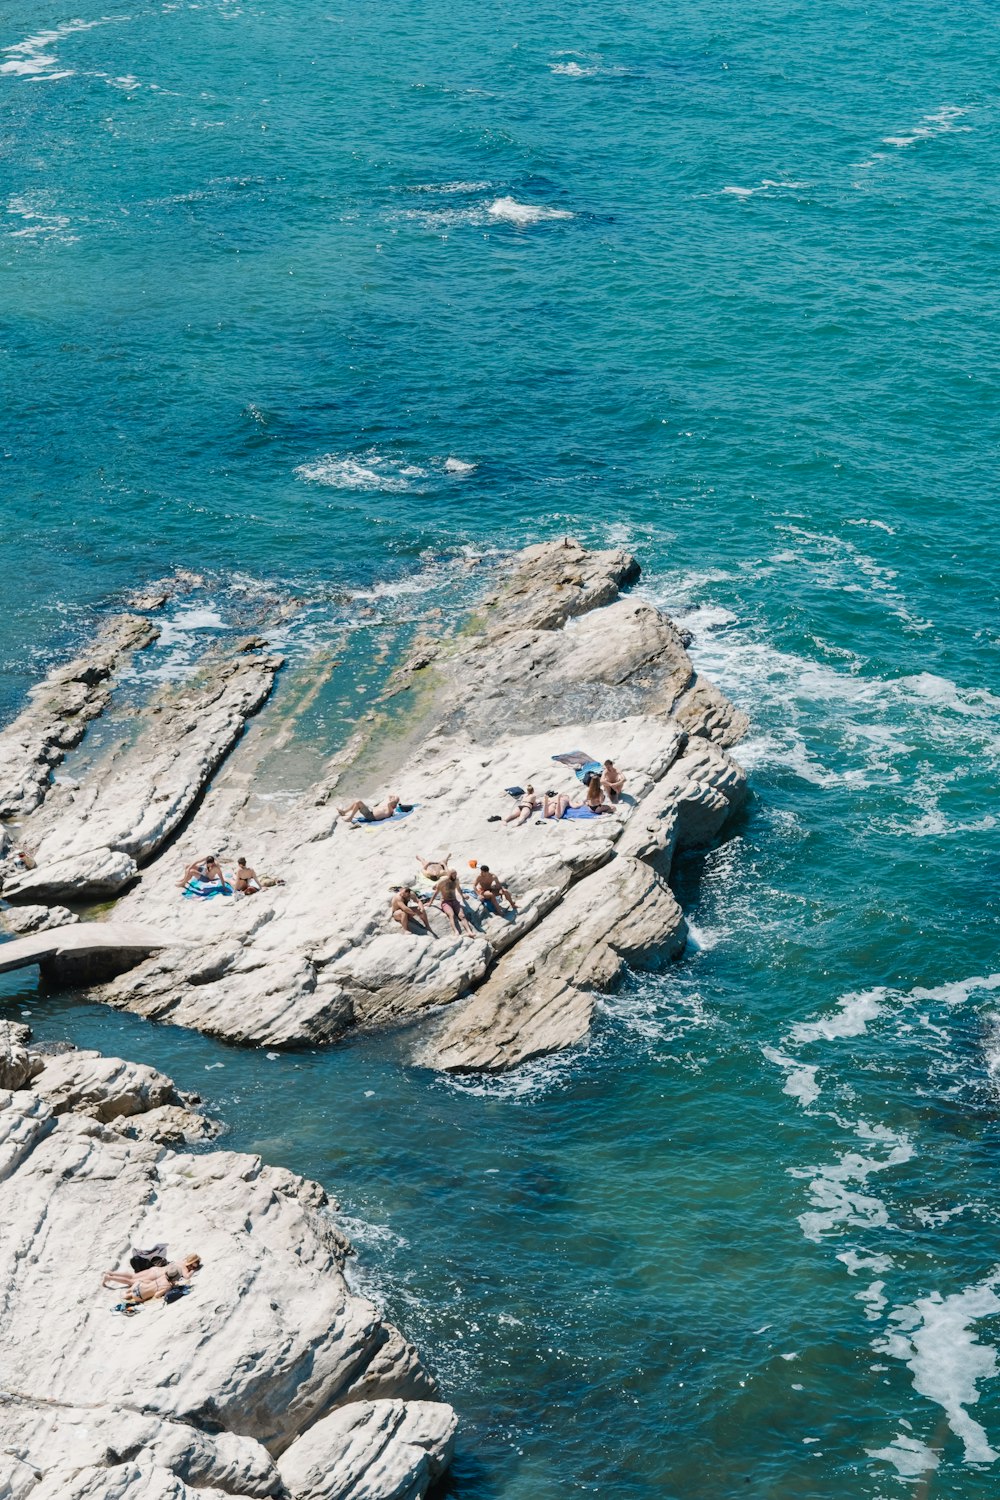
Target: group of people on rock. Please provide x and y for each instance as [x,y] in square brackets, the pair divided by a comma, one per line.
[603,793]
[410,910]
[207,871]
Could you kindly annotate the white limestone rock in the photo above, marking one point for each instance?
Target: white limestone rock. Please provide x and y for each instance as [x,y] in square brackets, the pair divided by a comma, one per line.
[58,713]
[205,1396]
[17,1065]
[387,1450]
[556,660]
[20,921]
[119,817]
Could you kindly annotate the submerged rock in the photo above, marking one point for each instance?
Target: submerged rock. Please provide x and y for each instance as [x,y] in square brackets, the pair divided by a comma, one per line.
[58,713]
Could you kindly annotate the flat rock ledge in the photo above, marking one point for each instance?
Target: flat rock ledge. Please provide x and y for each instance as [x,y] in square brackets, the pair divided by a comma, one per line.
[58,713]
[558,658]
[90,840]
[270,1378]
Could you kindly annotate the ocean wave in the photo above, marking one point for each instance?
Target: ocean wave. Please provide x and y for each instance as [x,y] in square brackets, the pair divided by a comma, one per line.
[32,57]
[368,471]
[941,122]
[510,211]
[766,185]
[373,470]
[38,219]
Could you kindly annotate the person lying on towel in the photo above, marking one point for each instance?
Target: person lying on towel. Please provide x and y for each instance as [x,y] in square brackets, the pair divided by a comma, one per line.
[366,814]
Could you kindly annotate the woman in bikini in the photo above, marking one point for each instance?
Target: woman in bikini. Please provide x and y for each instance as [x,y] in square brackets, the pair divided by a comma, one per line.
[434,868]
[148,1285]
[527,804]
[450,901]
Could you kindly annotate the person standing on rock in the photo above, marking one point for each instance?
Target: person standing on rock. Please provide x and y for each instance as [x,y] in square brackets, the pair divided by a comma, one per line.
[368,814]
[612,781]
[450,900]
[490,890]
[406,908]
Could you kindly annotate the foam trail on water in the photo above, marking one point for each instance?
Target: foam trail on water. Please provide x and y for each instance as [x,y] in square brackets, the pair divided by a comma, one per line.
[935,1337]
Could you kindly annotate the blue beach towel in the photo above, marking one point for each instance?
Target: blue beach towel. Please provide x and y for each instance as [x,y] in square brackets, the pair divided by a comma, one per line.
[580,812]
[359,822]
[204,890]
[580,762]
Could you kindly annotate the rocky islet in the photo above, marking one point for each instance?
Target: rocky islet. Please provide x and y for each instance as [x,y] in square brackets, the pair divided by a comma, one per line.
[557,658]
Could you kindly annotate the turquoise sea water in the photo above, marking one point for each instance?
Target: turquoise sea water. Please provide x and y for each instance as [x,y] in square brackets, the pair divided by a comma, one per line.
[317,298]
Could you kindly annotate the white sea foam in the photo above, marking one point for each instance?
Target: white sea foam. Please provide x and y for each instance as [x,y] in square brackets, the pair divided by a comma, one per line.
[873,1297]
[851,1018]
[877,525]
[836,1191]
[910,1458]
[37,220]
[510,211]
[935,1337]
[458,466]
[856,1262]
[800,1080]
[32,57]
[766,185]
[369,471]
[572,70]
[941,122]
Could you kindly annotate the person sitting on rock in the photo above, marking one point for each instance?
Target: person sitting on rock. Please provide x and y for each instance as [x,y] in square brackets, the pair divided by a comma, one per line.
[434,868]
[366,814]
[450,900]
[406,908]
[527,804]
[594,800]
[246,882]
[612,781]
[206,869]
[490,891]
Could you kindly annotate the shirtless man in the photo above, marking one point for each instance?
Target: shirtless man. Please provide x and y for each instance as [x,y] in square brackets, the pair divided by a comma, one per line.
[612,781]
[527,803]
[247,882]
[368,814]
[434,868]
[406,908]
[451,903]
[490,890]
[206,868]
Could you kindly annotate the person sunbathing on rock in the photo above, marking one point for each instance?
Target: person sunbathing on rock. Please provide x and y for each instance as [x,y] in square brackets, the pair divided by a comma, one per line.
[368,814]
[406,908]
[612,781]
[527,803]
[450,900]
[491,891]
[434,868]
[246,882]
[157,1281]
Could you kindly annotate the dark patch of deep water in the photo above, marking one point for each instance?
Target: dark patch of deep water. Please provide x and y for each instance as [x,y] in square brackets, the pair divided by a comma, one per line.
[308,299]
